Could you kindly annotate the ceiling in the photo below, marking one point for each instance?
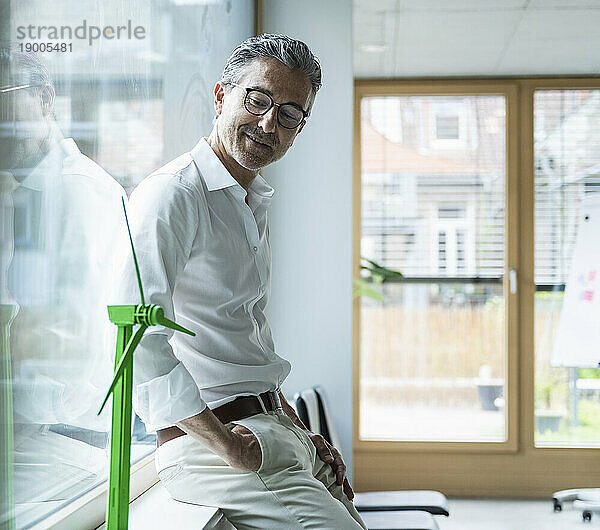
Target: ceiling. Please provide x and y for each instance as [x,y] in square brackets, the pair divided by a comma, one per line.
[438,38]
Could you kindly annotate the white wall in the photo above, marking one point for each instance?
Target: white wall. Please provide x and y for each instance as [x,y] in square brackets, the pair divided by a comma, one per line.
[311,216]
[201,38]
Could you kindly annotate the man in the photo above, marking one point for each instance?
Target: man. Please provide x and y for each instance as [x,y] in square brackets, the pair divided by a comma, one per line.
[201,232]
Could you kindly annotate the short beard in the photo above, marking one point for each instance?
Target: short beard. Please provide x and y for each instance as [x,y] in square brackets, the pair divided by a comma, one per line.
[246,158]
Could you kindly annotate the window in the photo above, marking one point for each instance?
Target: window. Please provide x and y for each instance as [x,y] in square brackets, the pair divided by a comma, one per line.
[457,372]
[130,105]
[446,128]
[567,161]
[449,212]
[409,340]
[461,264]
[449,124]
[442,251]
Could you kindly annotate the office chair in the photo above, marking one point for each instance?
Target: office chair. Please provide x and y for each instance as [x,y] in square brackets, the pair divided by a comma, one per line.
[313,410]
[400,520]
[585,499]
[307,407]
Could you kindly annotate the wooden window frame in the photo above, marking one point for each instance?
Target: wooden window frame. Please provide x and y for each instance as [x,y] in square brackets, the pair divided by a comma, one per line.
[514,467]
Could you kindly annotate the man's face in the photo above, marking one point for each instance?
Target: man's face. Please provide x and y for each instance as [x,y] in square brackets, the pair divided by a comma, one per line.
[23,125]
[256,141]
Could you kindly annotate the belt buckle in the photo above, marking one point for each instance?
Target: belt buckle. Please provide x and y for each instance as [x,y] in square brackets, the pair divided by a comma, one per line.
[275,401]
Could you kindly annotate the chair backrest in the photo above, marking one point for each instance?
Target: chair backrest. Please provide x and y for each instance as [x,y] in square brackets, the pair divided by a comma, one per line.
[301,410]
[326,418]
[307,407]
[313,410]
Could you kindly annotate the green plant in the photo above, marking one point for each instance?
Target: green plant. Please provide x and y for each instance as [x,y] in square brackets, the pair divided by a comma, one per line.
[553,389]
[588,373]
[546,390]
[369,284]
[589,414]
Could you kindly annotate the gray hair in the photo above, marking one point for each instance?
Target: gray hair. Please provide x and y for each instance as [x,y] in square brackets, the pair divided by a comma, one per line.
[293,53]
[22,68]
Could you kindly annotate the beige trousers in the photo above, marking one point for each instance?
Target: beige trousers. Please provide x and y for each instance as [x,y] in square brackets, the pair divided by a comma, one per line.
[293,488]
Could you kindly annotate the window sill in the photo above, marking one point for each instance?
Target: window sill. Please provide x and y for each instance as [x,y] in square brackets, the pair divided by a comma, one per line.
[89,510]
[150,506]
[155,507]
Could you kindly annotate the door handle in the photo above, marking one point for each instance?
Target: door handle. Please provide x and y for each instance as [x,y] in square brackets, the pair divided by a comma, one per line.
[512,279]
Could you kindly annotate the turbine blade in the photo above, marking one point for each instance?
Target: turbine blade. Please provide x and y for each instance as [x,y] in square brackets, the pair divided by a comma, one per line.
[173,325]
[131,345]
[135,262]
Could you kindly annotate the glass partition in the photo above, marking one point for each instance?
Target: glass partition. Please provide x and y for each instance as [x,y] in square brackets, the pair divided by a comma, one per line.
[93,98]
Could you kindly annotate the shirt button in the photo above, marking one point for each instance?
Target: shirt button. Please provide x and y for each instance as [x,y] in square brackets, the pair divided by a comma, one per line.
[255,249]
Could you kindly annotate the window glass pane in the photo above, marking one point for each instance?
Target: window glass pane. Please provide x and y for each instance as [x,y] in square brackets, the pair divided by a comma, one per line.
[447,127]
[567,172]
[101,109]
[432,353]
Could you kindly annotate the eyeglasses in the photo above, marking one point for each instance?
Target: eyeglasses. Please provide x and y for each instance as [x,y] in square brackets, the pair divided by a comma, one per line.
[258,103]
[13,88]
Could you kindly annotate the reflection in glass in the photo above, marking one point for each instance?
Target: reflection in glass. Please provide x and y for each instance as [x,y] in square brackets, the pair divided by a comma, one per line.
[433,191]
[59,222]
[115,111]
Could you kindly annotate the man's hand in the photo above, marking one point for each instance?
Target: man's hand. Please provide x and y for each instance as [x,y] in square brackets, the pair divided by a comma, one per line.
[246,453]
[330,455]
[235,444]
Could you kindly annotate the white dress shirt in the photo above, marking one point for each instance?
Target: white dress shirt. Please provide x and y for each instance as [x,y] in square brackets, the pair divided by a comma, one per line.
[67,215]
[204,256]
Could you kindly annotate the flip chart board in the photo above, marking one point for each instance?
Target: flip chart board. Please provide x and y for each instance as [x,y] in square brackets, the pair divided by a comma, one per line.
[577,341]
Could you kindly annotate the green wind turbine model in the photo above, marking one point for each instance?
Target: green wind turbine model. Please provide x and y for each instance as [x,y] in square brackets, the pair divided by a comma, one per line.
[125,317]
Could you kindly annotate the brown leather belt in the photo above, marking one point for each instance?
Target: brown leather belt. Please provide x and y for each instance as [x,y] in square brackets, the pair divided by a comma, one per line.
[238,409]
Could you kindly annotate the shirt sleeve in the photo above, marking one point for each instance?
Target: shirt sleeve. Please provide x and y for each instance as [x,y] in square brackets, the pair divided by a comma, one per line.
[163,216]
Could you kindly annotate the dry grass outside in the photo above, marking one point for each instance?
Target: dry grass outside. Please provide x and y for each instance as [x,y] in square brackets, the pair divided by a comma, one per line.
[375,395]
[436,342]
[442,342]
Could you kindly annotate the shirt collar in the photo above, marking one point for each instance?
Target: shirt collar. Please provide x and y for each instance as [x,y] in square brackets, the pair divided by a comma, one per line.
[259,192]
[51,164]
[8,183]
[213,172]
[217,177]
